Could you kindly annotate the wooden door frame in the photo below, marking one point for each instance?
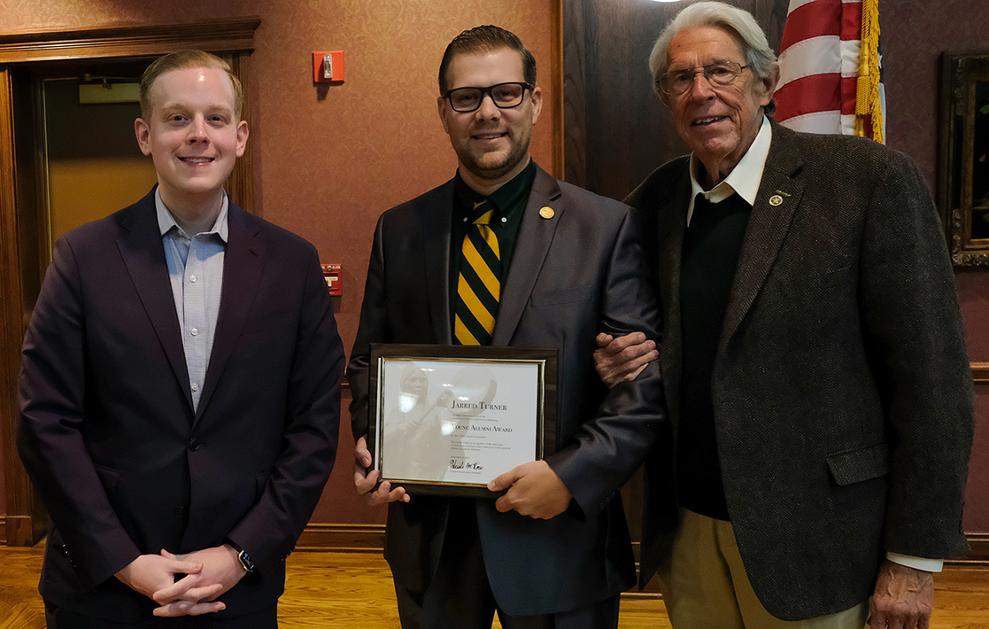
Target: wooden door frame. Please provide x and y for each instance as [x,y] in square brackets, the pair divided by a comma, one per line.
[25,520]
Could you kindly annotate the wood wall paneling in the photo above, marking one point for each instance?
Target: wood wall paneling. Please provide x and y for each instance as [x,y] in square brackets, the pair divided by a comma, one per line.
[218,35]
[240,186]
[342,537]
[557,82]
[616,130]
[10,316]
[574,97]
[24,514]
[370,538]
[979,553]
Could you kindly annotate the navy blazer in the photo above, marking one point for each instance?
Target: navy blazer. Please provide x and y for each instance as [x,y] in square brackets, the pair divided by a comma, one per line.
[107,429]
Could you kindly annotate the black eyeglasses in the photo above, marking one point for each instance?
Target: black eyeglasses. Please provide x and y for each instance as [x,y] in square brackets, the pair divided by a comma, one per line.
[503,95]
[676,82]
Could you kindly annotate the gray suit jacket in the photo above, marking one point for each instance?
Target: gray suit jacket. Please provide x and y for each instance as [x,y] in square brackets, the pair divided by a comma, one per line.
[571,276]
[841,389]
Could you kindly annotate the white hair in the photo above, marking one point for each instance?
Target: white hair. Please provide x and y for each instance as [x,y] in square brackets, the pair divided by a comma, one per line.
[759,57]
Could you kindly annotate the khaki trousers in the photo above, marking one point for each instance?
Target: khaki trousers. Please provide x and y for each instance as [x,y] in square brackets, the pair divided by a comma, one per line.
[705,585]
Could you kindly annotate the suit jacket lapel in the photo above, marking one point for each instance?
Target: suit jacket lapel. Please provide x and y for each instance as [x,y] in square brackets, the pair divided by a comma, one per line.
[434,244]
[144,256]
[535,235]
[243,261]
[772,214]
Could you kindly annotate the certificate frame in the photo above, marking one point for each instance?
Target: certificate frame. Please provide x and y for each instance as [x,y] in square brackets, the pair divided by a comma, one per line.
[387,359]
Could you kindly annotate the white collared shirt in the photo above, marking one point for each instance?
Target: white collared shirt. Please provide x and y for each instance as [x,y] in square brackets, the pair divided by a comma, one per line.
[743,180]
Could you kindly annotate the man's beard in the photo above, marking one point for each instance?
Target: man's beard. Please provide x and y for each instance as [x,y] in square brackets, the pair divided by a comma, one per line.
[516,155]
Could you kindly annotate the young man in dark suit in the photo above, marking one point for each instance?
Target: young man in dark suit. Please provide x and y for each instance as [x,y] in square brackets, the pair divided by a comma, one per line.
[179,384]
[553,550]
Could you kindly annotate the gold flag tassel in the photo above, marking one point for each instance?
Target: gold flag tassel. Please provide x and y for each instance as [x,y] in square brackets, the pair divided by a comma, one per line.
[868,105]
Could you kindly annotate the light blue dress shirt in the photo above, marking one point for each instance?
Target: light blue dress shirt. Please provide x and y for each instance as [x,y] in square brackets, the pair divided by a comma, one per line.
[195,269]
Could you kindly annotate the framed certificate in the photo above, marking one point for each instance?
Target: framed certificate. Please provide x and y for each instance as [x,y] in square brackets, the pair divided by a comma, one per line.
[448,419]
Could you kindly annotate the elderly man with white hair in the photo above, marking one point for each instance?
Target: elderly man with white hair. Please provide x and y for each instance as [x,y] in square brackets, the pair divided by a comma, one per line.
[813,357]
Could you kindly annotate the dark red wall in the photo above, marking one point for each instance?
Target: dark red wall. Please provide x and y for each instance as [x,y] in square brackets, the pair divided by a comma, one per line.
[914,34]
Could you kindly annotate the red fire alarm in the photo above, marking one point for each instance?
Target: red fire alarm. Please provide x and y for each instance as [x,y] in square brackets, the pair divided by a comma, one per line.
[327,66]
[331,273]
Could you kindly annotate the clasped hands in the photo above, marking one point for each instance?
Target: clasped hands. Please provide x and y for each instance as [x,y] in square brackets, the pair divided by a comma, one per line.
[208,574]
[534,489]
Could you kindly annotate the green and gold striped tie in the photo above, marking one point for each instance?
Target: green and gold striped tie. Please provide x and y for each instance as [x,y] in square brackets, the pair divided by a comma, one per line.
[479,284]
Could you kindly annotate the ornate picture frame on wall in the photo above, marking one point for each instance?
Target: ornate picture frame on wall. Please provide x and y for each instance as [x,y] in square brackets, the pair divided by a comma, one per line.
[963,164]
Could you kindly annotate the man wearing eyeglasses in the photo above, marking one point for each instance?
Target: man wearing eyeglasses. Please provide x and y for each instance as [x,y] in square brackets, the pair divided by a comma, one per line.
[812,356]
[504,254]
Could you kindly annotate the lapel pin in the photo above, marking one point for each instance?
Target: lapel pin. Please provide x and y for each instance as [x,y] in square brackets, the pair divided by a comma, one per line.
[547,212]
[775,200]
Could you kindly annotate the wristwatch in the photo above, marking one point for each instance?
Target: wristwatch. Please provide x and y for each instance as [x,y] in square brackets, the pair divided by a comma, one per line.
[244,557]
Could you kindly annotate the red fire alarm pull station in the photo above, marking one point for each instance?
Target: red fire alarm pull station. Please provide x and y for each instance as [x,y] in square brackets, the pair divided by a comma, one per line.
[331,273]
[327,66]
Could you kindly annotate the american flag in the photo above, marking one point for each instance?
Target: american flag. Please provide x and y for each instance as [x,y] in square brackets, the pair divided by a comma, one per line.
[829,68]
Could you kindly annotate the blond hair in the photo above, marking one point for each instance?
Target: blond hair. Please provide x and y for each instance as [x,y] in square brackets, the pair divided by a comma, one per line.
[182,60]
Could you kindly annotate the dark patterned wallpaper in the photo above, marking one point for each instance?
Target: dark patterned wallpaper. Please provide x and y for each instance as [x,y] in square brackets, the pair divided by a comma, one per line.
[915,33]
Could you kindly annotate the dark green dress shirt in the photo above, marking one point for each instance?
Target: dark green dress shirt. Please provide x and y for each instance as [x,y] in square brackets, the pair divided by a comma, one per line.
[509,203]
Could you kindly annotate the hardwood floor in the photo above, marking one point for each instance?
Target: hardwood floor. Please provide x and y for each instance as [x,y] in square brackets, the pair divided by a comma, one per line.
[332,590]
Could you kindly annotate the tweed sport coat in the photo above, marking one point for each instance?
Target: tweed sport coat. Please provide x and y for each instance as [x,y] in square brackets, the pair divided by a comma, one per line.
[841,388]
